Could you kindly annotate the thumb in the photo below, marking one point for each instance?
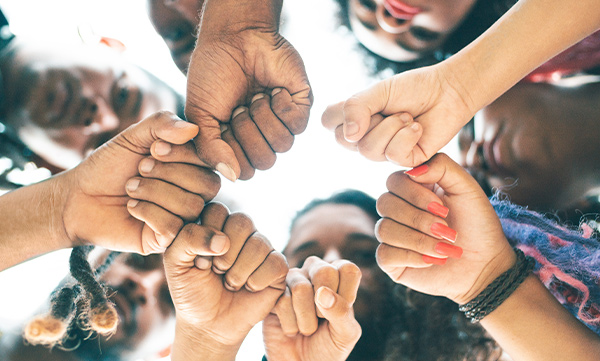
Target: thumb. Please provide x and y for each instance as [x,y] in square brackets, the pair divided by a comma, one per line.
[161,125]
[192,241]
[215,152]
[345,330]
[447,174]
[359,108]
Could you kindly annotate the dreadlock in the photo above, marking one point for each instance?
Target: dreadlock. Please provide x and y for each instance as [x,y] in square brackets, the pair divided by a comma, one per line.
[81,303]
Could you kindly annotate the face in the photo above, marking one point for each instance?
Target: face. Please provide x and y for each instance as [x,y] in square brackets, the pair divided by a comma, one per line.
[176,23]
[146,313]
[65,102]
[340,231]
[405,31]
[536,143]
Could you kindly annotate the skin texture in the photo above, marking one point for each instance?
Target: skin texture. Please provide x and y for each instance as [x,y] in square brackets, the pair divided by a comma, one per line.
[444,97]
[66,101]
[518,143]
[405,38]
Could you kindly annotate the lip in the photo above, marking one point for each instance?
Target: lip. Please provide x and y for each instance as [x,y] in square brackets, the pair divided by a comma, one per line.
[124,308]
[400,10]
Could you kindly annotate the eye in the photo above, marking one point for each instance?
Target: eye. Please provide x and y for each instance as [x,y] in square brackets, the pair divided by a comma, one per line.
[363,257]
[423,34]
[121,96]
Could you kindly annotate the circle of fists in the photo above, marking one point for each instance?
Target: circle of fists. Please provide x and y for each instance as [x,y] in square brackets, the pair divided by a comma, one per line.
[314,319]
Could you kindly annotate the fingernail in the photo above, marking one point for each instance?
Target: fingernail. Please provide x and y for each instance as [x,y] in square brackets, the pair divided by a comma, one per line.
[325,298]
[162,148]
[132,203]
[438,209]
[132,184]
[441,230]
[146,165]
[351,129]
[449,250]
[237,112]
[226,171]
[405,118]
[414,126]
[202,263]
[275,91]
[217,243]
[420,170]
[256,97]
[433,260]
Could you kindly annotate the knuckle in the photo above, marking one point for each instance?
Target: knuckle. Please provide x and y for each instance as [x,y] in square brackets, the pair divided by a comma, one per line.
[383,203]
[234,280]
[350,268]
[301,288]
[394,180]
[265,160]
[172,227]
[240,221]
[282,143]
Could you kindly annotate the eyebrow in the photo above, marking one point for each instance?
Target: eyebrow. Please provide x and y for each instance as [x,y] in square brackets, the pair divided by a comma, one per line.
[355,237]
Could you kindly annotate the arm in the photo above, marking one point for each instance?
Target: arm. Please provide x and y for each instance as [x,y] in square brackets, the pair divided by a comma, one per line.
[530,324]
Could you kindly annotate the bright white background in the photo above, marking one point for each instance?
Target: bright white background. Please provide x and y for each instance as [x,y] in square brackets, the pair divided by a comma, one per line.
[315,167]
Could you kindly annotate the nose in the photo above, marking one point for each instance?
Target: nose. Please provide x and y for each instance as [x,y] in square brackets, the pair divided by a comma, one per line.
[389,23]
[99,117]
[144,287]
[331,255]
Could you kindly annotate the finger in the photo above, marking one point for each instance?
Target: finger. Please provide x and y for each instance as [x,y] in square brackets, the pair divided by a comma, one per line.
[393,207]
[286,315]
[416,194]
[446,173]
[345,330]
[333,116]
[292,109]
[203,262]
[214,215]
[164,224]
[403,148]
[172,198]
[160,125]
[321,273]
[247,170]
[350,276]
[176,153]
[216,152]
[394,261]
[253,254]
[339,138]
[271,273]
[359,108]
[375,142]
[273,130]
[192,241]
[303,301]
[201,181]
[238,227]
[256,148]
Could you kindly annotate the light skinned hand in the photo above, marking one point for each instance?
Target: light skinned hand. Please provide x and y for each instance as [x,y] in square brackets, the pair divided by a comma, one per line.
[219,299]
[314,319]
[96,210]
[230,67]
[439,233]
[431,95]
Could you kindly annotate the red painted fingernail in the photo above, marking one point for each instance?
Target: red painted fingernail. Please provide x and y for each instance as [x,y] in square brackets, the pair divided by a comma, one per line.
[449,250]
[420,170]
[444,231]
[438,209]
[433,260]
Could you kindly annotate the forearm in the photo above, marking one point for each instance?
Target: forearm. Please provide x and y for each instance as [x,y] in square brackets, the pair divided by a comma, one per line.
[236,15]
[31,221]
[191,344]
[530,33]
[532,325]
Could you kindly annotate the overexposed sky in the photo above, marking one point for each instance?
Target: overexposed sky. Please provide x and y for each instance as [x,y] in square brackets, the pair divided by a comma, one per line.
[315,167]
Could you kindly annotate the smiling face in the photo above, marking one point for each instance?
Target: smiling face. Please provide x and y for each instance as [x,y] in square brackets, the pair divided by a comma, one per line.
[537,143]
[405,31]
[65,102]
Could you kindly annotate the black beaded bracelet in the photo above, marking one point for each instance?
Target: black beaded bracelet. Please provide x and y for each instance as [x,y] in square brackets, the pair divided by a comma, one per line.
[499,290]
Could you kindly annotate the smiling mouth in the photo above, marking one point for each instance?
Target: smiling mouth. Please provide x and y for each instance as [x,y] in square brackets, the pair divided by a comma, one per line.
[126,311]
[400,10]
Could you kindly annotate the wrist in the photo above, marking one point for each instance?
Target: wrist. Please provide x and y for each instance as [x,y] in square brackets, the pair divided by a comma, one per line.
[193,342]
[234,16]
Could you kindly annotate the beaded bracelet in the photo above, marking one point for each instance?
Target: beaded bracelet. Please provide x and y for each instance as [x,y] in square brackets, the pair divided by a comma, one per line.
[499,290]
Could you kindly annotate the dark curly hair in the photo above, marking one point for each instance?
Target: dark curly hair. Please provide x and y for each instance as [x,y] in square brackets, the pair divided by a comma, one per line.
[415,326]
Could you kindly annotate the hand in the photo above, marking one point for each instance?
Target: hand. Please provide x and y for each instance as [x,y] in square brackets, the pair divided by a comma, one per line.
[314,319]
[431,95]
[417,232]
[96,208]
[219,299]
[228,69]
